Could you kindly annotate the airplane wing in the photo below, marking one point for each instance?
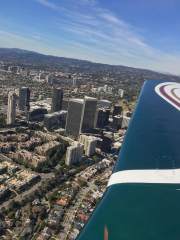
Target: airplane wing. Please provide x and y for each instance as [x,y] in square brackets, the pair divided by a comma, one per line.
[142,200]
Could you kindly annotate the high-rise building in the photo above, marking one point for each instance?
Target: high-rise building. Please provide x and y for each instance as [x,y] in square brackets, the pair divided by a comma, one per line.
[102,117]
[74,154]
[81,116]
[37,114]
[89,143]
[24,99]
[74,116]
[105,88]
[65,103]
[89,114]
[74,82]
[117,122]
[11,110]
[57,98]
[106,143]
[103,103]
[125,122]
[117,110]
[55,120]
[121,93]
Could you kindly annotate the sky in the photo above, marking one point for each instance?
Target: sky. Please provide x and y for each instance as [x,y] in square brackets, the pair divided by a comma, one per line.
[136,33]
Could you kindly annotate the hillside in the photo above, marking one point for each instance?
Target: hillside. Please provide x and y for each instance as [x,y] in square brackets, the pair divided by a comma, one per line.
[24,57]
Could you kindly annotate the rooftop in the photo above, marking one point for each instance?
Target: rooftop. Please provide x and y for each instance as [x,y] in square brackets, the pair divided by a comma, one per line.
[78,100]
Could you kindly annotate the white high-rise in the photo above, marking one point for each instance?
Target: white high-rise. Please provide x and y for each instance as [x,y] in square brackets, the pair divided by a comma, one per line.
[74,153]
[89,143]
[11,111]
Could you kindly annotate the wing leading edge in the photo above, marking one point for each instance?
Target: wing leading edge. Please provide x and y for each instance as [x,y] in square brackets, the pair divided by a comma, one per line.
[142,201]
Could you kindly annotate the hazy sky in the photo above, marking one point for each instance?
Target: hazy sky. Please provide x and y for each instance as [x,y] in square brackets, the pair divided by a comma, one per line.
[138,33]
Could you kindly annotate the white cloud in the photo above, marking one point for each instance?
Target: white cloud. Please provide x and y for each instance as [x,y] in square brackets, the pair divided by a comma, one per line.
[92,2]
[110,18]
[119,41]
[48,4]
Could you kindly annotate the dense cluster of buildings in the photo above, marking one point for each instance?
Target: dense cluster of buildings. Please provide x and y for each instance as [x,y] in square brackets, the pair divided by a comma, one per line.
[32,148]
[84,122]
[70,208]
[14,180]
[71,130]
[61,132]
[82,114]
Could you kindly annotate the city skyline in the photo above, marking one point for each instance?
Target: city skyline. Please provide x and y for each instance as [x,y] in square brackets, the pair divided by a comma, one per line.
[76,138]
[142,35]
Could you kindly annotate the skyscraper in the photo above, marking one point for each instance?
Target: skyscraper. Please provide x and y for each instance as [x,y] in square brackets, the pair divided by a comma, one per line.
[121,93]
[74,82]
[117,110]
[88,114]
[89,143]
[74,154]
[55,120]
[57,98]
[102,117]
[11,111]
[117,122]
[73,121]
[81,116]
[24,98]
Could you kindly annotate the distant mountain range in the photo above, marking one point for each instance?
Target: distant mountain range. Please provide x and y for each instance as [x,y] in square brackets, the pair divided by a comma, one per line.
[21,56]
[25,57]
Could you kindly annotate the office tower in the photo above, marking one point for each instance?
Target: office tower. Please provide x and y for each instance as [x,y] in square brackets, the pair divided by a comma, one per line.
[57,98]
[102,117]
[117,110]
[81,116]
[55,120]
[74,82]
[121,93]
[125,122]
[24,98]
[89,143]
[103,103]
[117,122]
[47,78]
[89,114]
[74,154]
[65,104]
[74,116]
[105,88]
[11,111]
[106,143]
[37,114]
